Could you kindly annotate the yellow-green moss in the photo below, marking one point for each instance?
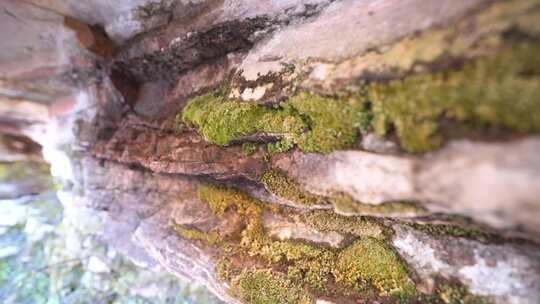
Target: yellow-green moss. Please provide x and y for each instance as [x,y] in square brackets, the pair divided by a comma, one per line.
[209,238]
[326,221]
[312,265]
[14,171]
[280,184]
[219,198]
[346,204]
[308,265]
[499,90]
[451,293]
[221,120]
[314,123]
[225,269]
[453,230]
[371,261]
[249,148]
[333,122]
[267,287]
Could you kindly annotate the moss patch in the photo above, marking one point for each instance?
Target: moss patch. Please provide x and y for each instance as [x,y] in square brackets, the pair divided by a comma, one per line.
[496,91]
[370,261]
[345,204]
[266,287]
[314,123]
[209,238]
[453,230]
[302,264]
[280,184]
[221,120]
[327,221]
[249,148]
[500,90]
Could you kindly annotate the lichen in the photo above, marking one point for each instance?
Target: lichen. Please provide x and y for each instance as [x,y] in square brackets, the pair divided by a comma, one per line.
[280,184]
[371,261]
[267,287]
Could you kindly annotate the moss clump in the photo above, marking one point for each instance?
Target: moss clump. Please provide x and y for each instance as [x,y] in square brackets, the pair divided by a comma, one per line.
[266,287]
[500,90]
[451,293]
[314,123]
[312,266]
[453,230]
[327,221]
[249,148]
[16,171]
[221,120]
[280,184]
[371,261]
[219,198]
[209,238]
[333,122]
[225,269]
[345,204]
[307,265]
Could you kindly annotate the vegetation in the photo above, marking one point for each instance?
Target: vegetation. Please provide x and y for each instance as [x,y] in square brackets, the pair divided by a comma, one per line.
[499,91]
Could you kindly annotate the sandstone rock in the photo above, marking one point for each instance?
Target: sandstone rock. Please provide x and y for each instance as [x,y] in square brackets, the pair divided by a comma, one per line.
[290,151]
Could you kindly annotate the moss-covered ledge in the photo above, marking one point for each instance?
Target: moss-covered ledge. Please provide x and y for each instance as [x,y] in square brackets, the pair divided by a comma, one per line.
[494,94]
[261,269]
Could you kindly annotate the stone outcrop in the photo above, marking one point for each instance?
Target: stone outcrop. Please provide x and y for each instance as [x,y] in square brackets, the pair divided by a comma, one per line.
[293,151]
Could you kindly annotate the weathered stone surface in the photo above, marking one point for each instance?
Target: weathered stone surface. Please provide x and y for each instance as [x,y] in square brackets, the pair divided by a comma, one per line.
[101,86]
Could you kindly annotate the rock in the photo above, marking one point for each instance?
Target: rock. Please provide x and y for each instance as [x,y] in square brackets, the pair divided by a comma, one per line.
[285,152]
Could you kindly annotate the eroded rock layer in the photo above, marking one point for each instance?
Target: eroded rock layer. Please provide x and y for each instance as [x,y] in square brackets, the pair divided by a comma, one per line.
[293,151]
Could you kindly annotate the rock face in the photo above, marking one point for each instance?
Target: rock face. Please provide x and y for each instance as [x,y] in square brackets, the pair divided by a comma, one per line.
[293,151]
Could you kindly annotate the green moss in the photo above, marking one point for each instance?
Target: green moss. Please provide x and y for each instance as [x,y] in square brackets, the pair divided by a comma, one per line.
[221,120]
[225,269]
[308,265]
[497,91]
[327,221]
[501,90]
[333,122]
[209,238]
[312,265]
[345,204]
[371,261]
[280,184]
[451,293]
[249,148]
[266,287]
[314,123]
[452,230]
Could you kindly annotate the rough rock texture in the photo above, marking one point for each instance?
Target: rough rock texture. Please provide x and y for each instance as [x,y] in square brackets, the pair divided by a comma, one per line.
[293,151]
